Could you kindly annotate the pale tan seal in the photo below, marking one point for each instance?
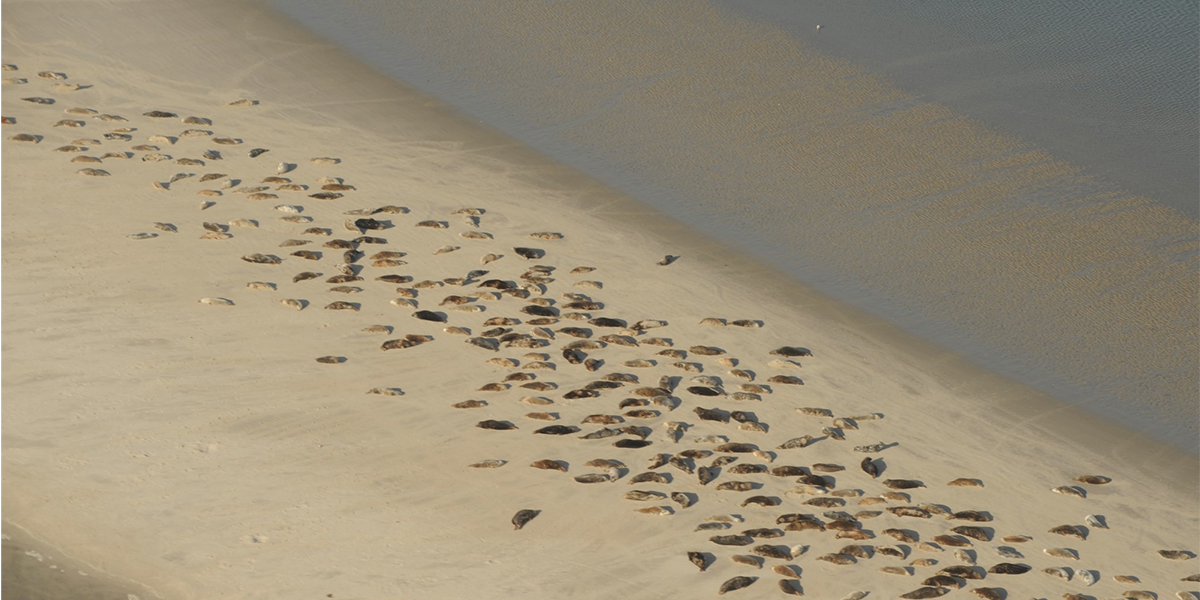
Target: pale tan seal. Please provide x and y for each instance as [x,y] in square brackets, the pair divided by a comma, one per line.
[489,464]
[386,391]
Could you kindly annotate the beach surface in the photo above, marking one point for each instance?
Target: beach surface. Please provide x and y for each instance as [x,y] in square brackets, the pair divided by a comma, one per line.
[168,427]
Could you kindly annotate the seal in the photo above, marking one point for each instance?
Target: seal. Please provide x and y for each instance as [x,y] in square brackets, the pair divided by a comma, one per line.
[386,391]
[1069,530]
[970,515]
[262,259]
[698,559]
[769,551]
[903,484]
[1069,490]
[595,478]
[786,380]
[975,533]
[549,465]
[965,482]
[1066,553]
[426,315]
[650,477]
[489,464]
[1176,554]
[926,592]
[799,442]
[656,510]
[495,425]
[524,516]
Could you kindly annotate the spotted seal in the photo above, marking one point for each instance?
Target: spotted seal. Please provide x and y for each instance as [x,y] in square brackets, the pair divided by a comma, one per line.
[523,517]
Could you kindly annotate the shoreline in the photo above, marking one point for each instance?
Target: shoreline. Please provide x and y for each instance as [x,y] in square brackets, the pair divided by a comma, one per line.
[408,137]
[34,570]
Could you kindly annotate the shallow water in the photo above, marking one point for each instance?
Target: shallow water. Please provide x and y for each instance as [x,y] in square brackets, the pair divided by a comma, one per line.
[1111,86]
[1012,184]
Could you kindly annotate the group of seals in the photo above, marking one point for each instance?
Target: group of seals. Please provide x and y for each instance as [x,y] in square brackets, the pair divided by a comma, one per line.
[838,428]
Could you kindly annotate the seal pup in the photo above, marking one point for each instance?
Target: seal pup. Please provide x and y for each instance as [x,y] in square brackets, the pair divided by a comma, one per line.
[523,517]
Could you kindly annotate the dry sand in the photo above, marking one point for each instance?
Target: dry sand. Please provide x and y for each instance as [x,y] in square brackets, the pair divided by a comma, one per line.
[199,451]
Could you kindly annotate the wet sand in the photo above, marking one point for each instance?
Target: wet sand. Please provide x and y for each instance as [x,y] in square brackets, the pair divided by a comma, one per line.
[33,571]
